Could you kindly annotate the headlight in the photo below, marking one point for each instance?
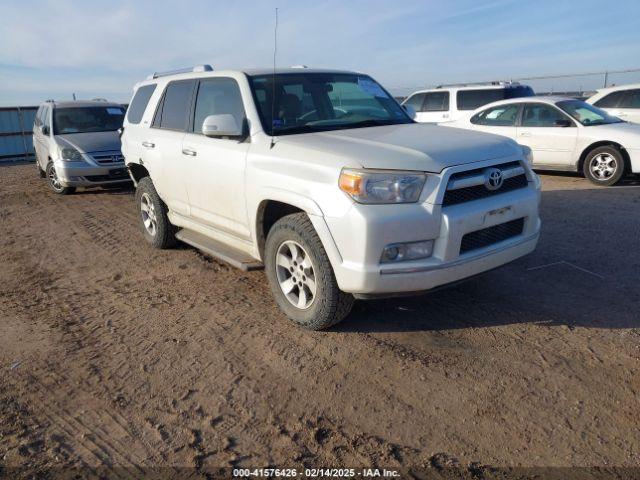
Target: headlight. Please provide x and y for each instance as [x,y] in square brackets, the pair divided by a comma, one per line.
[70,154]
[379,186]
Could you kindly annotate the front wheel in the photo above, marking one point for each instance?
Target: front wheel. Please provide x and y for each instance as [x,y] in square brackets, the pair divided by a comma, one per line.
[604,166]
[154,220]
[301,277]
[54,181]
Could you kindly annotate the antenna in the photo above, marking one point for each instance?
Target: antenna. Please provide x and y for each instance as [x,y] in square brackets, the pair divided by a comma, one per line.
[273,80]
[74,96]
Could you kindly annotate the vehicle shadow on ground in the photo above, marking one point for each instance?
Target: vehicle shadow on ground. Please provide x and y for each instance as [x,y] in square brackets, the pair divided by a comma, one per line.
[119,190]
[629,180]
[584,273]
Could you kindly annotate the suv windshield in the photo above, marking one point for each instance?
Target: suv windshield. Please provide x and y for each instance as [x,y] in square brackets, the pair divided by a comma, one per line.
[587,114]
[87,119]
[313,102]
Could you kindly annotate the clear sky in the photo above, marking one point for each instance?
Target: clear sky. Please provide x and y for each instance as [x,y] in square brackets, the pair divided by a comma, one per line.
[50,49]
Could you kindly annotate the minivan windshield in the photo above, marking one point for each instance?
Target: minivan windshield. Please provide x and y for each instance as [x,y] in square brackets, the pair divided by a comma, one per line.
[587,114]
[314,102]
[87,119]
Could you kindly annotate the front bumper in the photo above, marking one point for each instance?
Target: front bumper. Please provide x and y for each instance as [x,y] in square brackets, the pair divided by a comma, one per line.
[361,235]
[82,174]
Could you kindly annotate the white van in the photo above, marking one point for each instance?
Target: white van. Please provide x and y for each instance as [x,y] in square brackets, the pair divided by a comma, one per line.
[448,103]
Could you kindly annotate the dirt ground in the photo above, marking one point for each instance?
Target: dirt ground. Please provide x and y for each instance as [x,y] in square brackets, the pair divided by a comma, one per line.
[114,354]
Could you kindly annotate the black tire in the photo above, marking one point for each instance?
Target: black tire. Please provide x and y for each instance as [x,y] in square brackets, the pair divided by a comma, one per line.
[52,181]
[595,170]
[329,305]
[163,234]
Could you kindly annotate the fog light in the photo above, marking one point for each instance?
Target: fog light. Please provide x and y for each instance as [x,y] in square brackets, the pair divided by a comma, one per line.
[399,252]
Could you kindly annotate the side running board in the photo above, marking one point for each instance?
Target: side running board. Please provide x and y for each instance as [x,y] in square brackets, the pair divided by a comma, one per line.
[219,250]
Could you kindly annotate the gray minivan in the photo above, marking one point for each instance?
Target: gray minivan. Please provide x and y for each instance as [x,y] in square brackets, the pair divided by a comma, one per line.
[77,144]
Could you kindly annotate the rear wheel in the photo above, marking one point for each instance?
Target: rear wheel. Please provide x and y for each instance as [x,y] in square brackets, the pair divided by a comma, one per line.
[154,221]
[300,275]
[604,166]
[54,181]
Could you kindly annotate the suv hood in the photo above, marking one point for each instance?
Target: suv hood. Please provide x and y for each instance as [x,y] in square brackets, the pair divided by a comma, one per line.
[92,141]
[416,146]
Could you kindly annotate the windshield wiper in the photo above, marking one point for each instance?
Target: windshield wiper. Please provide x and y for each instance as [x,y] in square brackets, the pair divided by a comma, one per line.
[297,129]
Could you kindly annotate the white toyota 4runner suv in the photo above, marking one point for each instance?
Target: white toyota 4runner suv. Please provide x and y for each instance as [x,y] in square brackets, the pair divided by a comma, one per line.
[322,178]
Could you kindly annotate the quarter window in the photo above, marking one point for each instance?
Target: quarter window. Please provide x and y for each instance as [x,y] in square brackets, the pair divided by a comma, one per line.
[218,96]
[541,115]
[472,99]
[46,119]
[37,121]
[139,103]
[436,102]
[501,116]
[173,111]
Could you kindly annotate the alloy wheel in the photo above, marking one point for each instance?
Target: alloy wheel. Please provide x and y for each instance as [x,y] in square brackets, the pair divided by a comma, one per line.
[148,211]
[603,166]
[295,274]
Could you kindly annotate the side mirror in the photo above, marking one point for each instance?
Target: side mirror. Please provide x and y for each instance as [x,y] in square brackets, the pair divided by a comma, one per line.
[222,125]
[45,130]
[563,122]
[410,111]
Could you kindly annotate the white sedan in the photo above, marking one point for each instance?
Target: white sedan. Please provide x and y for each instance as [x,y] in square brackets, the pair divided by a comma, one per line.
[564,134]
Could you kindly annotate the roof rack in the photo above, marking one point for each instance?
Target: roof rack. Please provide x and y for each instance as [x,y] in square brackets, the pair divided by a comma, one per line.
[197,68]
[477,84]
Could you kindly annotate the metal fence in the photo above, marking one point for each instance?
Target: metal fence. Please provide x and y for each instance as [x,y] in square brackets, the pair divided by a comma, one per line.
[15,133]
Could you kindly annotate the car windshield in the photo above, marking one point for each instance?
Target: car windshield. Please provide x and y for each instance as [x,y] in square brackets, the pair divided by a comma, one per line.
[87,119]
[313,102]
[586,114]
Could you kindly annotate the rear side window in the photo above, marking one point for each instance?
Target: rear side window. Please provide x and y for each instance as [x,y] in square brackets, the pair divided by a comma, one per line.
[173,111]
[139,103]
[416,101]
[611,101]
[218,96]
[631,99]
[472,99]
[436,102]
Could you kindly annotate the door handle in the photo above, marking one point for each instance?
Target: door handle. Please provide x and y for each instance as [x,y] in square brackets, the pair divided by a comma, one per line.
[148,144]
[525,134]
[188,151]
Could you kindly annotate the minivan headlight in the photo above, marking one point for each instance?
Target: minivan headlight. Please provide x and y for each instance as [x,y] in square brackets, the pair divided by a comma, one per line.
[380,186]
[70,154]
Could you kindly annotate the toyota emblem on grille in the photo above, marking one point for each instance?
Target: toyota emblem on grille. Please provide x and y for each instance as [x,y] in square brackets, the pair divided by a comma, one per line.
[493,178]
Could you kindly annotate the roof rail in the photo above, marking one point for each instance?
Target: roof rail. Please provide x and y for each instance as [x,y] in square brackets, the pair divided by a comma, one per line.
[477,84]
[197,68]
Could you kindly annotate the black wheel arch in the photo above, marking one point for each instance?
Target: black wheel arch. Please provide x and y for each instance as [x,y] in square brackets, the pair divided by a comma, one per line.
[605,143]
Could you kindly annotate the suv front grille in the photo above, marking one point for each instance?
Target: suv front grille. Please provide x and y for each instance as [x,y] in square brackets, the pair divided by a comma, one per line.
[470,185]
[488,236]
[108,158]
